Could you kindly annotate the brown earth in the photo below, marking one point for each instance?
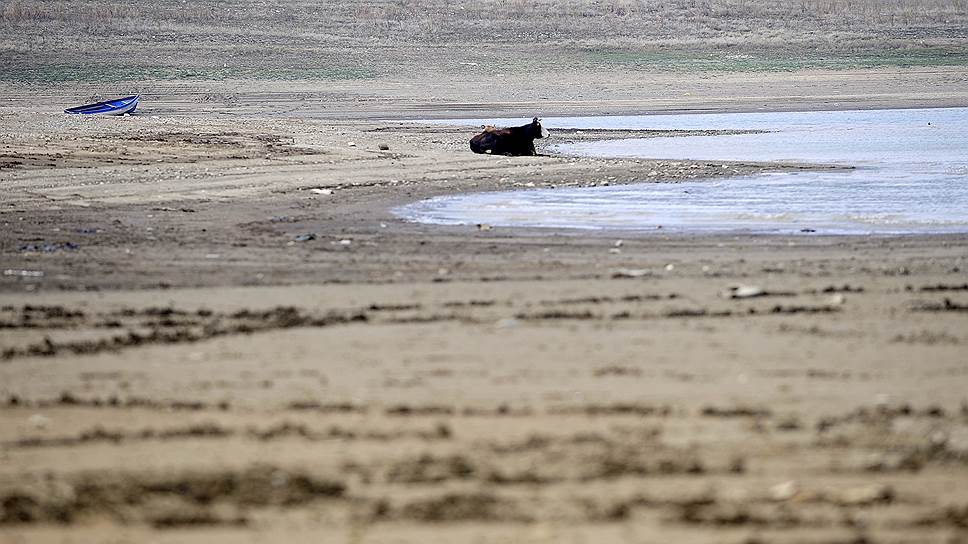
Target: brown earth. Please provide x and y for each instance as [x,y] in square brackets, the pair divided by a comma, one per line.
[176,366]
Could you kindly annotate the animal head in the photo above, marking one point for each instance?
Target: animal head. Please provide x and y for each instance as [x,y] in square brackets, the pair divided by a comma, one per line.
[538,130]
[487,128]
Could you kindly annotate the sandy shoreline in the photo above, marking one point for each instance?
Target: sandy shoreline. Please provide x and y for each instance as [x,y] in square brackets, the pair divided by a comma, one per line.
[191,372]
[442,95]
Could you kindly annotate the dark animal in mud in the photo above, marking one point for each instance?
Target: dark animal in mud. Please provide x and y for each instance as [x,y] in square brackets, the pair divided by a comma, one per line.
[509,141]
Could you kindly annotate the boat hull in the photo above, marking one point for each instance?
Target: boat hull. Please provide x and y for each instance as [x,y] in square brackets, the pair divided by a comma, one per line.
[119,106]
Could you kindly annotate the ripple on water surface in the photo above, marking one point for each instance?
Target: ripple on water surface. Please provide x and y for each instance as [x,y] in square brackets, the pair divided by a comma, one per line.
[911,177]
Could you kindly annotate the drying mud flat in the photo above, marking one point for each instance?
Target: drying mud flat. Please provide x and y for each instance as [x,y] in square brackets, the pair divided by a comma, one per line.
[212,328]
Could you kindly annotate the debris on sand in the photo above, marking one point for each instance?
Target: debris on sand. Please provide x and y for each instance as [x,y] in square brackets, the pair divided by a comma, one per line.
[946,306]
[304,237]
[483,226]
[49,248]
[866,495]
[752,291]
[384,147]
[24,273]
[784,491]
[167,209]
[940,287]
[39,422]
[624,273]
[507,323]
[830,289]
[321,191]
[743,291]
[836,300]
[734,411]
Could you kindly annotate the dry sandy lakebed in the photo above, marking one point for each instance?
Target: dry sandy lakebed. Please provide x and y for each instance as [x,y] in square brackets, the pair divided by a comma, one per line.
[176,366]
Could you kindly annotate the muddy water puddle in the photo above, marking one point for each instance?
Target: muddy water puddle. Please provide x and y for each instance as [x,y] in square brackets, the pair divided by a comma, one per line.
[908,175]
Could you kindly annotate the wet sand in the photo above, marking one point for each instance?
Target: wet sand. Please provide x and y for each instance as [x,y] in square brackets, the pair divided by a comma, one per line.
[176,366]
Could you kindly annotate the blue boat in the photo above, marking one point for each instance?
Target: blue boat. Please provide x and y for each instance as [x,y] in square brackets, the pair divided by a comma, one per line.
[119,106]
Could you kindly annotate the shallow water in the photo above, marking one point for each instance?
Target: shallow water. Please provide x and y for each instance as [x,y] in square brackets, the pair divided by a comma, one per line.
[911,177]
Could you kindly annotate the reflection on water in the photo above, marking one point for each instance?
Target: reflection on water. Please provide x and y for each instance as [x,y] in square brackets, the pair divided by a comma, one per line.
[911,177]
